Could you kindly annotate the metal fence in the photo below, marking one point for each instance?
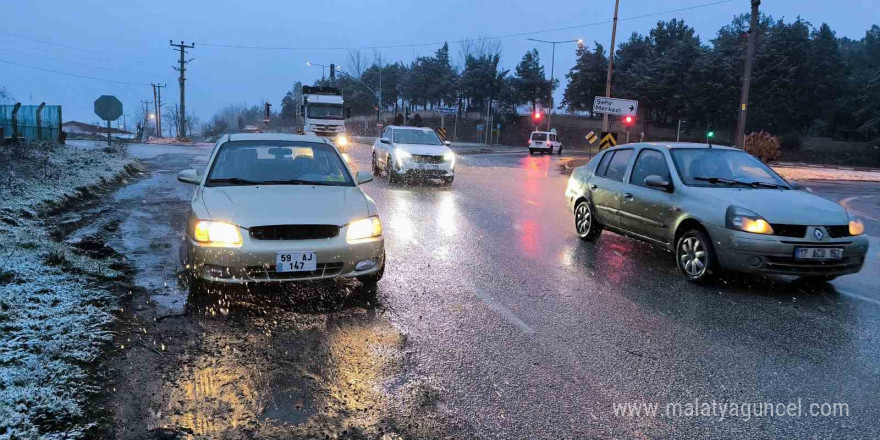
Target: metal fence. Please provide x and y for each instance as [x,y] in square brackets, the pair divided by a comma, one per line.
[31,121]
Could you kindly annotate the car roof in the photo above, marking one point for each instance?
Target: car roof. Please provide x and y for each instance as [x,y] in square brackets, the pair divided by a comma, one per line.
[674,145]
[409,127]
[274,137]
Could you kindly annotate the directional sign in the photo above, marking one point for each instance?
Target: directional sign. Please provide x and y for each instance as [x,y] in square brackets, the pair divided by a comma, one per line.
[108,108]
[591,137]
[614,106]
[447,110]
[609,139]
[480,127]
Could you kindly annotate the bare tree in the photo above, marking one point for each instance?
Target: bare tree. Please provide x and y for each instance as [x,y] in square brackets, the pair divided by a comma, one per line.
[356,63]
[5,96]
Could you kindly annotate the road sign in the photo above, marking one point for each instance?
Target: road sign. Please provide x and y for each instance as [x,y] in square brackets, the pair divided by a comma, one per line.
[480,127]
[108,108]
[614,106]
[442,133]
[591,137]
[446,110]
[609,139]
[498,126]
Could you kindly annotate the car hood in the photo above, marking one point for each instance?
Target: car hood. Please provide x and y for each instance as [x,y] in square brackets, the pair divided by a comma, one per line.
[249,206]
[427,150]
[791,207]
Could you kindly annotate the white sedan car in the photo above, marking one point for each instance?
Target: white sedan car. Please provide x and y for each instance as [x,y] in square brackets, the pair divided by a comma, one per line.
[280,207]
[413,152]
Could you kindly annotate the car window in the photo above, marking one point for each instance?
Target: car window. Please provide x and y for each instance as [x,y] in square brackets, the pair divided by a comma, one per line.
[617,165]
[649,163]
[603,164]
[539,136]
[385,133]
[553,138]
[695,165]
[278,163]
[421,137]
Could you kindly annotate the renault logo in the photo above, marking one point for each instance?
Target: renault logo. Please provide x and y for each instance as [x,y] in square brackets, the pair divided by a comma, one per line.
[818,234]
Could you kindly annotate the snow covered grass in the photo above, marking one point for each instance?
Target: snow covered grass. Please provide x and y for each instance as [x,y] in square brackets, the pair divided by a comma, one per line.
[817,173]
[54,314]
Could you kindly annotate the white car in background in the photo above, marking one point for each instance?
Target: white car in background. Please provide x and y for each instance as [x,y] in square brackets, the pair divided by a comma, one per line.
[404,152]
[544,142]
[280,207]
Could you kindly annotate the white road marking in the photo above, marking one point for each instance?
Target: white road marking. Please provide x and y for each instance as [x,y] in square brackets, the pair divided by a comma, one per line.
[857,296]
[845,203]
[504,312]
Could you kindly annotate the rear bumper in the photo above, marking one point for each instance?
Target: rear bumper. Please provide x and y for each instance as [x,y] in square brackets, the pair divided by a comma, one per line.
[773,255]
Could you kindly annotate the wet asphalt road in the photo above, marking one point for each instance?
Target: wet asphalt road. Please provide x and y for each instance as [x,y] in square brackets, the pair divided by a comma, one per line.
[494,310]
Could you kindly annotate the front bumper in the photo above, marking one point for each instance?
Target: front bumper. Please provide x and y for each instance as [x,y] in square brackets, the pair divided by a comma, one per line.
[441,170]
[774,255]
[254,261]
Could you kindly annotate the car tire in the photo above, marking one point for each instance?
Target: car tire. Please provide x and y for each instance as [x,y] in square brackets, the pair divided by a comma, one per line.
[695,256]
[586,225]
[448,180]
[375,165]
[531,151]
[372,279]
[559,151]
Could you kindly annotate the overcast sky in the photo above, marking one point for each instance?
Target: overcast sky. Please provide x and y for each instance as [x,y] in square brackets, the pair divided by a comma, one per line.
[128,40]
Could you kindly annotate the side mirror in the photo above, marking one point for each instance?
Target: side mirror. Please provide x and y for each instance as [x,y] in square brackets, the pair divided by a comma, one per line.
[363,177]
[655,181]
[189,176]
[447,143]
[385,140]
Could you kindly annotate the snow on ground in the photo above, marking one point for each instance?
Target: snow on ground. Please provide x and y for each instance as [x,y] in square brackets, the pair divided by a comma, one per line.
[817,173]
[54,315]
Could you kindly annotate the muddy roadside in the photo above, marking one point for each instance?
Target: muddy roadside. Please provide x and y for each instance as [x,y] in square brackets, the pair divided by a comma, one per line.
[312,360]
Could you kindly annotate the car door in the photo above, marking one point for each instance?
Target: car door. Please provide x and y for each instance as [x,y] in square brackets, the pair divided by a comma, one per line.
[647,211]
[607,185]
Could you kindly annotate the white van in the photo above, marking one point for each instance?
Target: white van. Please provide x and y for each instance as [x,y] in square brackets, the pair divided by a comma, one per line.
[544,142]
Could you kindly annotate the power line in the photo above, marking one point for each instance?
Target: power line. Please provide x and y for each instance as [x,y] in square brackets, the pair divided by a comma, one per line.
[50,43]
[74,74]
[497,37]
[74,62]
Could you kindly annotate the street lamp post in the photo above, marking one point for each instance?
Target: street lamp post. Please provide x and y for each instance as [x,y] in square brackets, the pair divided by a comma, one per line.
[552,66]
[376,96]
[309,63]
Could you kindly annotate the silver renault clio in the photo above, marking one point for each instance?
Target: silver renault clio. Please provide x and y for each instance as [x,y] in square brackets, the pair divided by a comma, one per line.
[716,208]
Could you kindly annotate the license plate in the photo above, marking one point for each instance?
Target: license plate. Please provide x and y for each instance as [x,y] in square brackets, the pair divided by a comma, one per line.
[428,166]
[811,253]
[296,261]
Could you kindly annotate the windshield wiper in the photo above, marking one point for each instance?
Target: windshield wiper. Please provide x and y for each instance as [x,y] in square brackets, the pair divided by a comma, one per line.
[717,180]
[235,181]
[298,182]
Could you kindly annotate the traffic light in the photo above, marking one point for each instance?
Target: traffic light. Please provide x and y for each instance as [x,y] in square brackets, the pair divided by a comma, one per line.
[628,120]
[332,71]
[536,116]
[710,134]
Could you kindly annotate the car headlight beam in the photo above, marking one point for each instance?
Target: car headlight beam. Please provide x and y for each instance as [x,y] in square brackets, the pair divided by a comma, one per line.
[742,219]
[401,156]
[341,140]
[364,228]
[218,234]
[449,157]
[856,227]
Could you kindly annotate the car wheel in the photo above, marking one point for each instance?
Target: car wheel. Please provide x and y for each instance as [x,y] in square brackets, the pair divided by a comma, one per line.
[531,151]
[559,151]
[372,279]
[695,256]
[585,223]
[375,164]
[448,180]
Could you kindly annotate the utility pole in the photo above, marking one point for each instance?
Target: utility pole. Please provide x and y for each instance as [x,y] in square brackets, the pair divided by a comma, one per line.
[610,63]
[157,98]
[181,129]
[747,77]
[146,118]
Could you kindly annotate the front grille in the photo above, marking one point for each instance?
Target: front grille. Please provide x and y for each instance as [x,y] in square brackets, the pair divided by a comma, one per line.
[423,158]
[838,231]
[797,231]
[793,265]
[269,273]
[293,232]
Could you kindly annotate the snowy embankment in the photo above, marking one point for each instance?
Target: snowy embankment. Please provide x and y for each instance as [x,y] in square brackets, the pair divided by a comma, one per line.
[55,309]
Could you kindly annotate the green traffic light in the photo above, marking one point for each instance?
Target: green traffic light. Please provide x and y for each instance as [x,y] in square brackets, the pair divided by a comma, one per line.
[710,134]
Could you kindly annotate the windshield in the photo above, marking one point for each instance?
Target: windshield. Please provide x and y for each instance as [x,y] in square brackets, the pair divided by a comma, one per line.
[278,163]
[422,137]
[539,136]
[710,167]
[325,111]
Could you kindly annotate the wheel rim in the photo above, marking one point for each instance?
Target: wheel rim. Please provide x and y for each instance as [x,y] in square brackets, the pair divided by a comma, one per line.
[692,257]
[583,219]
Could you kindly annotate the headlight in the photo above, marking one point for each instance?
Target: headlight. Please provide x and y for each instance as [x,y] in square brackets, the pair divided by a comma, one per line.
[402,156]
[341,140]
[856,227]
[449,157]
[742,219]
[364,228]
[218,234]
